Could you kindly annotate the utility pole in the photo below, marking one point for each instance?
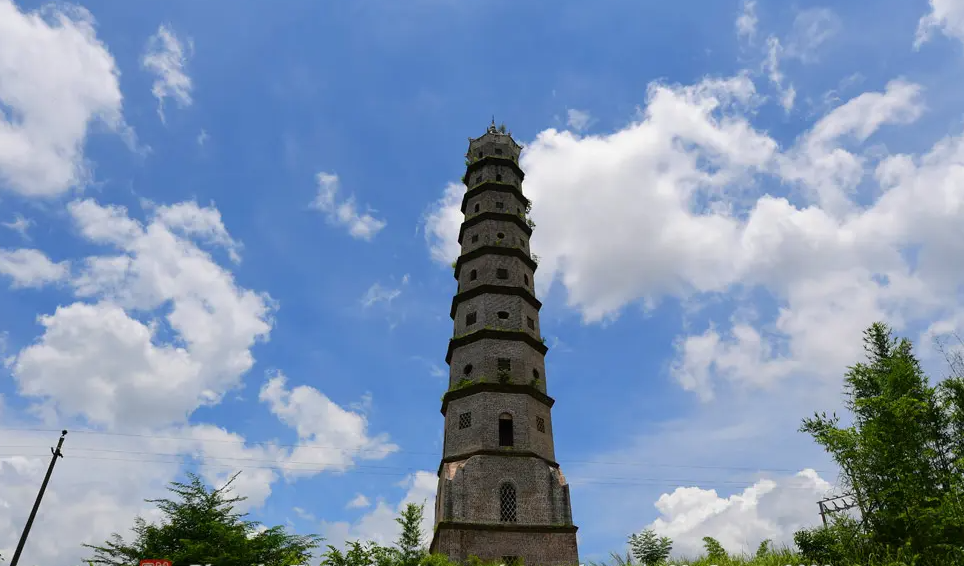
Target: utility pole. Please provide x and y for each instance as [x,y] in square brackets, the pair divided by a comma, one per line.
[36,505]
[834,505]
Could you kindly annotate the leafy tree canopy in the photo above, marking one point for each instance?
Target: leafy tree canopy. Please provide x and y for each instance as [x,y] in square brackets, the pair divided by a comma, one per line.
[200,526]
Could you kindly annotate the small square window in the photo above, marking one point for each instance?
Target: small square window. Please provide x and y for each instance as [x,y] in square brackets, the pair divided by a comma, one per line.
[502,273]
[530,323]
[498,151]
[473,275]
[470,319]
[504,364]
[498,177]
[510,560]
[540,424]
[465,420]
[475,238]
[499,205]
[480,153]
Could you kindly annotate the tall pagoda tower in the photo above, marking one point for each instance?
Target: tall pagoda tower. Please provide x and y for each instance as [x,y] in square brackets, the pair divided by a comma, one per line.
[501,494]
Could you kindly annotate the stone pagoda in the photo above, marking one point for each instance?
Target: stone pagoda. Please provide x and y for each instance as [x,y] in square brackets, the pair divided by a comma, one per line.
[501,494]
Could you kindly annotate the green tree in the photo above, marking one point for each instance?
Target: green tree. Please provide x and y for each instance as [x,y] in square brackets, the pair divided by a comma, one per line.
[410,546]
[200,526]
[900,456]
[650,549]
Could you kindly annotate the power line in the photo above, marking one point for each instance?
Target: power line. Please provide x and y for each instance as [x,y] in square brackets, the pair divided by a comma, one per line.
[284,468]
[374,450]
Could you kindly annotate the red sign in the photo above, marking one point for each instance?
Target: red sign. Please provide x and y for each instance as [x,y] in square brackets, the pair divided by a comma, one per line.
[155,562]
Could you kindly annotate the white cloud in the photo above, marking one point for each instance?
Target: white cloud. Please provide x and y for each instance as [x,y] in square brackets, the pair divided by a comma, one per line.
[166,57]
[329,436]
[31,268]
[787,94]
[20,225]
[359,502]
[768,509]
[746,22]
[56,78]
[946,16]
[344,213]
[696,170]
[376,293]
[122,374]
[578,120]
[379,524]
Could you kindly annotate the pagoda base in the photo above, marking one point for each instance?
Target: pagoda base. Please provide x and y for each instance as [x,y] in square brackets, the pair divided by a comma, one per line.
[535,545]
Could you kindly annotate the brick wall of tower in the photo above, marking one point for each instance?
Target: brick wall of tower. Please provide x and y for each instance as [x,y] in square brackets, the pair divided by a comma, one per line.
[547,549]
[487,308]
[494,172]
[475,467]
[488,202]
[487,234]
[491,145]
[483,432]
[483,356]
[473,489]
[486,272]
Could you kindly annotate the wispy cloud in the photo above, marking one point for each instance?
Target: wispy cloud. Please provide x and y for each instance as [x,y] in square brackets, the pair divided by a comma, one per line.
[166,57]
[19,225]
[362,226]
[376,293]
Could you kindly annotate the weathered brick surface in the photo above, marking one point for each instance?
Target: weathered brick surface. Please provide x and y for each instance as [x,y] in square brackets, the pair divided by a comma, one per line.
[469,485]
[485,272]
[473,494]
[483,434]
[536,549]
[487,201]
[483,356]
[487,308]
[494,233]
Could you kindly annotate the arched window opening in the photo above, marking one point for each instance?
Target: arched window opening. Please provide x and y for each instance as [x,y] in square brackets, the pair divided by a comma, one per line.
[508,506]
[467,369]
[503,315]
[499,236]
[476,207]
[505,430]
[498,177]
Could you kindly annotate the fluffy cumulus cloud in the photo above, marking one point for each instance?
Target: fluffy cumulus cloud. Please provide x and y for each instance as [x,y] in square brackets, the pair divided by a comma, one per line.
[344,212]
[166,57]
[30,268]
[769,509]
[56,79]
[123,375]
[159,329]
[831,252]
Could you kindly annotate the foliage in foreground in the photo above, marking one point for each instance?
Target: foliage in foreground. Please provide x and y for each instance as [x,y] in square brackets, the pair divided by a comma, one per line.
[902,459]
[200,526]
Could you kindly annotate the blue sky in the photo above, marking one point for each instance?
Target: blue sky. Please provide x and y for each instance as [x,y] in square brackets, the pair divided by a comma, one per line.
[227,229]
